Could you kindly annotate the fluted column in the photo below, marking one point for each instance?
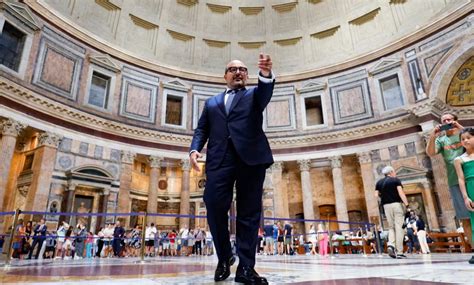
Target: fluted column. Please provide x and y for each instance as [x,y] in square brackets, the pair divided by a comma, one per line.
[278,189]
[105,201]
[338,181]
[126,168]
[368,181]
[43,166]
[70,190]
[307,189]
[430,209]
[10,130]
[184,202]
[152,204]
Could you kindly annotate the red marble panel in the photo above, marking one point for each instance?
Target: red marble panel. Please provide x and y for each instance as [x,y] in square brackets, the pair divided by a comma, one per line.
[138,100]
[58,70]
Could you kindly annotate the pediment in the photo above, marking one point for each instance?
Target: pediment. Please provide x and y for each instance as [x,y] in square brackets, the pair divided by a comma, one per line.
[410,172]
[105,61]
[312,86]
[21,12]
[177,84]
[385,64]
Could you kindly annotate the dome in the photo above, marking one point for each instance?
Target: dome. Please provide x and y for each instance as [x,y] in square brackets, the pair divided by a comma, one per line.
[194,39]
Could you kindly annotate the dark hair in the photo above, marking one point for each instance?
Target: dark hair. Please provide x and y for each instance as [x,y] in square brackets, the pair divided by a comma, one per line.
[468,130]
[455,117]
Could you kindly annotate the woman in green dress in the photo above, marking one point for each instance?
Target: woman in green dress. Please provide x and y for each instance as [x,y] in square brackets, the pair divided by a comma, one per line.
[464,165]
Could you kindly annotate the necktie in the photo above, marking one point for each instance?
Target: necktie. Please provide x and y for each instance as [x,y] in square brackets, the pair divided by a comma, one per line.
[230,98]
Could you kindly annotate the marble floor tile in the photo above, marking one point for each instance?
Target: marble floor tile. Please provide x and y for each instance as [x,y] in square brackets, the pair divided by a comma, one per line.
[300,269]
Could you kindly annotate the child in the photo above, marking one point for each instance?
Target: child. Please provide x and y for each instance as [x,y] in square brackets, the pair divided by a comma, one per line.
[464,166]
[89,244]
[323,240]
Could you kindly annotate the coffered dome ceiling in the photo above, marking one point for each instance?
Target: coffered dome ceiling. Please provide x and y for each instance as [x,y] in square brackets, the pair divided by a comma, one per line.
[195,39]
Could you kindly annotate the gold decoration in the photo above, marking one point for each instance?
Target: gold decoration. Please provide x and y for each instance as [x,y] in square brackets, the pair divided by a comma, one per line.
[461,88]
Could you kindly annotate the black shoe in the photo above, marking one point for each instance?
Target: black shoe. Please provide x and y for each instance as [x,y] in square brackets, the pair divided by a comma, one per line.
[471,261]
[248,275]
[223,269]
[391,251]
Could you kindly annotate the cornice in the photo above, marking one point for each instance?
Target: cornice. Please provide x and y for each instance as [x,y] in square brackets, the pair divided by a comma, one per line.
[82,35]
[411,118]
[399,123]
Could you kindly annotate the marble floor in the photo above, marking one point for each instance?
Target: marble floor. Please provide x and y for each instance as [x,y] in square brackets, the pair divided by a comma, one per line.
[300,269]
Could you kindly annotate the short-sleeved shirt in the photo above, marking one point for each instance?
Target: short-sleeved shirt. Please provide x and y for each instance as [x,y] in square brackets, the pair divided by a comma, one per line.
[387,187]
[268,230]
[288,229]
[450,147]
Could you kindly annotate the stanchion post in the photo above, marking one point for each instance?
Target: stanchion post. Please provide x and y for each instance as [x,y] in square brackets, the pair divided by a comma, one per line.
[12,235]
[142,249]
[364,241]
[327,227]
[377,238]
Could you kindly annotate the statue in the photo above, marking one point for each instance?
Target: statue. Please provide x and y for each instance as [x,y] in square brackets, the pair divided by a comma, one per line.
[82,210]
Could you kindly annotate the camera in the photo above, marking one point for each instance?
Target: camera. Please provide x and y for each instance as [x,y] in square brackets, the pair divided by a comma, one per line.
[446,127]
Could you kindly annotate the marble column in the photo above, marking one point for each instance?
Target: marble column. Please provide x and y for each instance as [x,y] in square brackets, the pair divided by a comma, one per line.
[430,207]
[280,197]
[105,202]
[368,180]
[152,204]
[70,190]
[307,189]
[126,169]
[10,130]
[43,166]
[184,201]
[339,193]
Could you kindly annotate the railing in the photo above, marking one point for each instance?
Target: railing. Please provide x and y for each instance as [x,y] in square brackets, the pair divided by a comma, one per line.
[146,216]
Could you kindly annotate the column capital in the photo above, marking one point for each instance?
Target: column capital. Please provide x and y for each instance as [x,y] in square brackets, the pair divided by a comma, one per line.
[364,157]
[185,164]
[336,161]
[155,161]
[49,139]
[10,127]
[304,164]
[277,166]
[128,156]
[71,186]
[105,191]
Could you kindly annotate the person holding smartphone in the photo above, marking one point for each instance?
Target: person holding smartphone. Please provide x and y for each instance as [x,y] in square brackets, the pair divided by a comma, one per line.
[445,140]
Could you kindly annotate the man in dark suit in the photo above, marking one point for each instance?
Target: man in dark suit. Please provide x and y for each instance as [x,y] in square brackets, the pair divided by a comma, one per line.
[237,152]
[38,238]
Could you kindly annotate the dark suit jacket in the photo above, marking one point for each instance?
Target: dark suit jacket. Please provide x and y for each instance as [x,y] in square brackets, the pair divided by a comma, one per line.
[243,125]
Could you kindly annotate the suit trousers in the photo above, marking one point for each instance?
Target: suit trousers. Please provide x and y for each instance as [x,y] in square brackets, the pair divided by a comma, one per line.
[218,196]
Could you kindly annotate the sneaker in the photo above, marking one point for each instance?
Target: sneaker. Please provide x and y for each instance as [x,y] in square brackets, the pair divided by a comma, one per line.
[401,255]
[471,261]
[391,251]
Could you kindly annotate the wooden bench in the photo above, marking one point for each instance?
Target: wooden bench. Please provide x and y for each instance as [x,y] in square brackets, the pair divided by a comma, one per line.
[448,242]
[349,245]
